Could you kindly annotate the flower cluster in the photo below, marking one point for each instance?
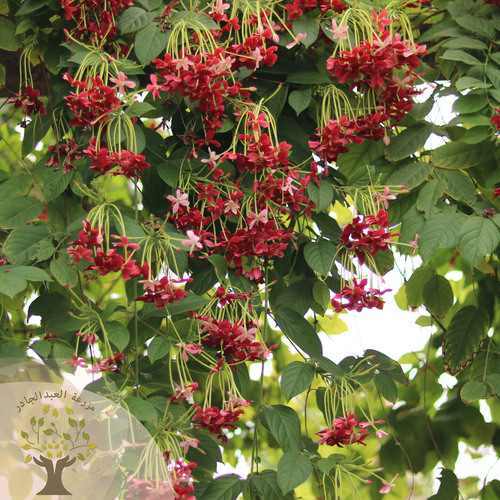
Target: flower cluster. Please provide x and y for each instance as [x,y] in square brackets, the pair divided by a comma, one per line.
[215,420]
[29,102]
[199,77]
[297,8]
[343,432]
[124,162]
[366,237]
[95,19]
[88,247]
[356,297]
[65,154]
[236,340]
[162,292]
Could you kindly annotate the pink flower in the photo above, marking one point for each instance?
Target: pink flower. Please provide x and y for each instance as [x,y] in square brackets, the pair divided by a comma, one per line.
[122,82]
[388,485]
[189,442]
[180,199]
[219,7]
[338,31]
[192,240]
[381,21]
[380,434]
[76,362]
[414,243]
[212,159]
[154,87]
[384,197]
[299,38]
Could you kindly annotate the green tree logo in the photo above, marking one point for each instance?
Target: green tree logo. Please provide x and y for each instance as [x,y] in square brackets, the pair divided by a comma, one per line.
[56,449]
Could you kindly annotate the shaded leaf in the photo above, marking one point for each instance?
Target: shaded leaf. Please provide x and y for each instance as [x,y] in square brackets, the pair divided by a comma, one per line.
[293,470]
[296,378]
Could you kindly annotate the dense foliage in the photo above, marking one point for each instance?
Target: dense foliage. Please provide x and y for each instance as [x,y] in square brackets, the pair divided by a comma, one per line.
[193,190]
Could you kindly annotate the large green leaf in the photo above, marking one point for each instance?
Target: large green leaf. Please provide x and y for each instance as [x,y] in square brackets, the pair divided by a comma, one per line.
[408,142]
[459,185]
[461,56]
[63,273]
[141,409]
[448,489]
[438,295]
[293,470]
[322,195]
[320,255]
[300,99]
[440,231]
[22,243]
[284,424]
[297,378]
[386,386]
[478,237]
[478,25]
[18,211]
[8,40]
[299,331]
[134,19]
[226,487]
[464,338]
[410,175]
[429,195]
[158,348]
[308,26]
[13,279]
[415,285]
[150,41]
[266,484]
[15,185]
[457,155]
[118,334]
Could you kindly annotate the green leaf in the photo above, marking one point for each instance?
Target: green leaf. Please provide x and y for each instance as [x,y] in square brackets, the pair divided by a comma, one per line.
[138,108]
[299,100]
[35,131]
[475,135]
[439,231]
[470,103]
[384,262]
[21,244]
[150,41]
[158,348]
[56,184]
[293,470]
[320,255]
[297,378]
[310,27]
[386,386]
[463,42]
[226,487]
[411,175]
[461,56]
[284,424]
[118,334]
[464,338]
[299,331]
[308,77]
[438,296]
[448,489]
[494,382]
[18,211]
[16,185]
[141,409]
[408,142]
[473,391]
[415,285]
[478,237]
[63,273]
[457,155]
[459,185]
[266,483]
[297,296]
[327,225]
[8,40]
[429,195]
[321,294]
[466,82]
[478,25]
[134,19]
[322,195]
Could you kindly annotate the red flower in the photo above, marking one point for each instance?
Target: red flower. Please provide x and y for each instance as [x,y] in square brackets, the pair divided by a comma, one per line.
[29,102]
[342,432]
